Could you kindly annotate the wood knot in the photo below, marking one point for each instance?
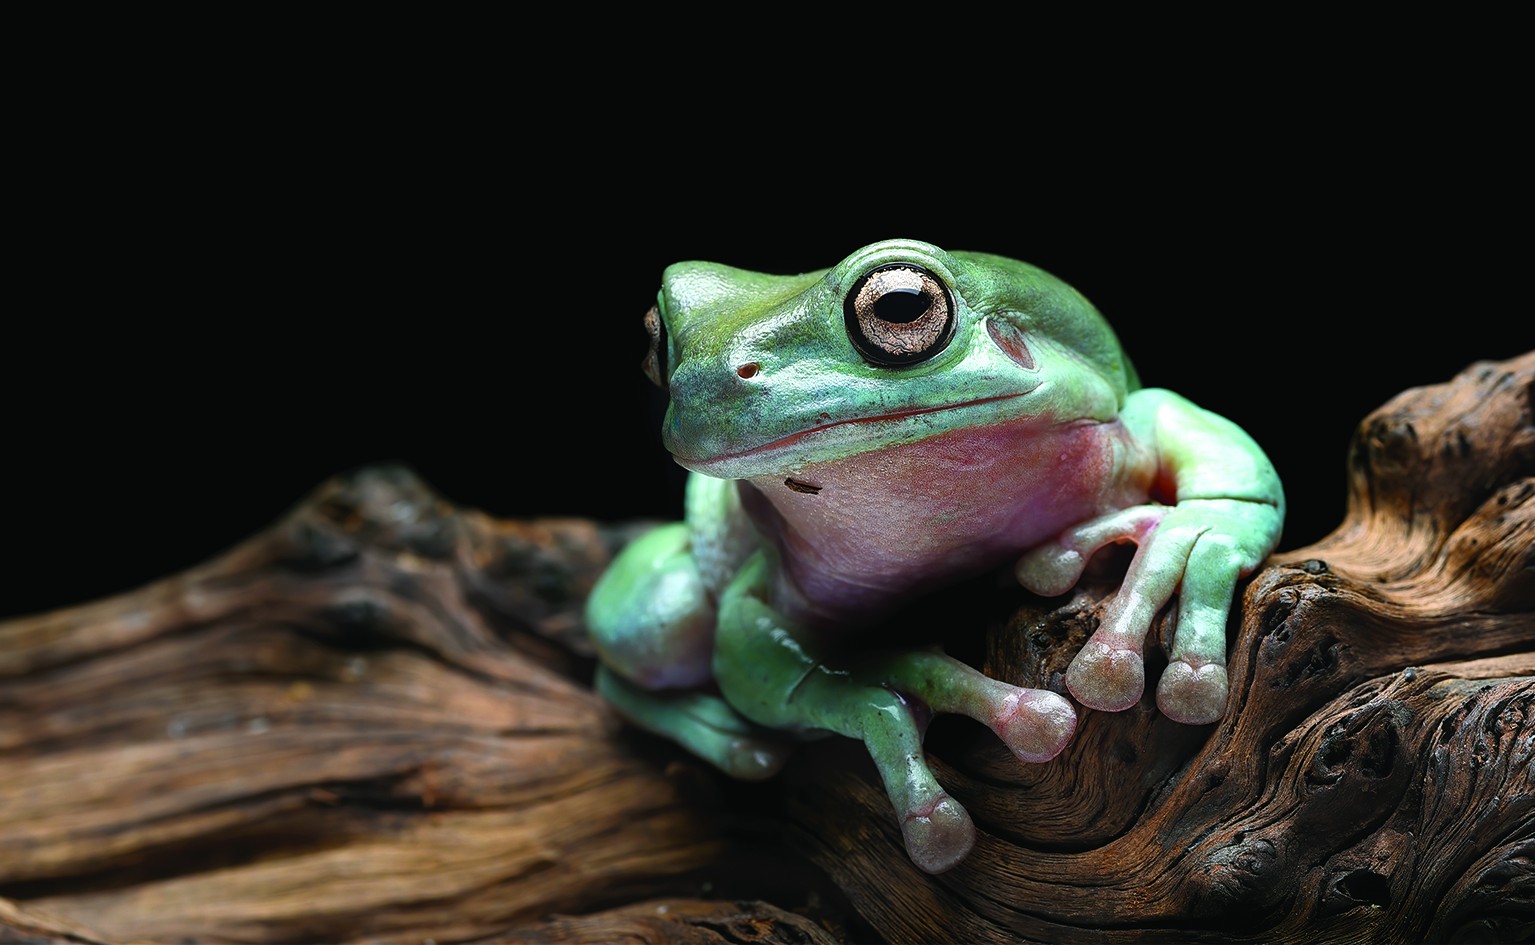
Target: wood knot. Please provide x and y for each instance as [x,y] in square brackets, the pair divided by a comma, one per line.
[1370,751]
[311,547]
[1354,888]
[1245,873]
[390,507]
[1391,443]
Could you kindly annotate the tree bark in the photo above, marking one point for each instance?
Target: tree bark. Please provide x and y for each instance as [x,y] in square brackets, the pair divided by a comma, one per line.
[374,722]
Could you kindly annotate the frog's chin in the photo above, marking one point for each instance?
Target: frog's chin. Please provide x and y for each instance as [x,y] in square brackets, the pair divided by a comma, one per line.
[839,439]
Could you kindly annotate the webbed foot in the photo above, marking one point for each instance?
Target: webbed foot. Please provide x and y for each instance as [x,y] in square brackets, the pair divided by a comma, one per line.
[1199,550]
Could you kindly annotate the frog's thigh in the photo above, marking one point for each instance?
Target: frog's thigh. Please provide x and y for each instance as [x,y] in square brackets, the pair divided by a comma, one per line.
[652,622]
[650,616]
[1194,685]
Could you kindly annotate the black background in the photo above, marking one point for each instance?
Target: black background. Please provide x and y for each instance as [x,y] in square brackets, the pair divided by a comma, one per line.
[217,308]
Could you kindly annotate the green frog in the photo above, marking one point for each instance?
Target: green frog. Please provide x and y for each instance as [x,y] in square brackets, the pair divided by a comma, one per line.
[861,435]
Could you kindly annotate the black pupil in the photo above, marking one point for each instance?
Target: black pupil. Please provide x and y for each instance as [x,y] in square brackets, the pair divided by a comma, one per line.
[902,305]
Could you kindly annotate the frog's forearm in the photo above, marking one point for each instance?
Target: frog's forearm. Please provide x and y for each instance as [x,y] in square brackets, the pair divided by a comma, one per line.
[774,674]
[1229,497]
[1225,512]
[768,675]
[757,661]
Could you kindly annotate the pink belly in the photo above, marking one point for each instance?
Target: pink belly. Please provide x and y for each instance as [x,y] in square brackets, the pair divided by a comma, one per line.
[886,525]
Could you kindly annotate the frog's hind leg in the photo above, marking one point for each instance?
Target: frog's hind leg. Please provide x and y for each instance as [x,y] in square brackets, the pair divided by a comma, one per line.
[652,621]
[702,723]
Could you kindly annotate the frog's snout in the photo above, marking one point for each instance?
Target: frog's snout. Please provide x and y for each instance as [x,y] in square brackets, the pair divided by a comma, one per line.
[714,400]
[715,379]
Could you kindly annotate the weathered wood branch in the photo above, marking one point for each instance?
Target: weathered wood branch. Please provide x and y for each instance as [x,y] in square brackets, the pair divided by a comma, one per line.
[373,722]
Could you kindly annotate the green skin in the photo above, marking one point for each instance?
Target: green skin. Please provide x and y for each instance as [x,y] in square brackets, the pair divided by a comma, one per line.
[835,476]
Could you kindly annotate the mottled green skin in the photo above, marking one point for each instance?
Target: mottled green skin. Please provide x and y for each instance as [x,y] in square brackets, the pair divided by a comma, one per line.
[827,489]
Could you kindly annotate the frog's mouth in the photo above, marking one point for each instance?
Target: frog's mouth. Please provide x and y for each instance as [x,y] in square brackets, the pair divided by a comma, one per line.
[837,439]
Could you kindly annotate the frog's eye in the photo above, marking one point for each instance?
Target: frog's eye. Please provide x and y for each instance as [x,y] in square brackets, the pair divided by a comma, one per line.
[654,365]
[899,314]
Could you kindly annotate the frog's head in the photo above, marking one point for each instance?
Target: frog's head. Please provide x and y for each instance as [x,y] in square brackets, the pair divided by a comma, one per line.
[898,342]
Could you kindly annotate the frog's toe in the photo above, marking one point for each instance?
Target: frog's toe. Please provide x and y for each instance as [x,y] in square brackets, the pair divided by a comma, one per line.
[1051,569]
[1106,677]
[1193,695]
[939,835]
[1035,723]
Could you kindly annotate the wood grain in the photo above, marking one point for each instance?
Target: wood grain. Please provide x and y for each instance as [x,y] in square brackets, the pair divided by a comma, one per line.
[373,723]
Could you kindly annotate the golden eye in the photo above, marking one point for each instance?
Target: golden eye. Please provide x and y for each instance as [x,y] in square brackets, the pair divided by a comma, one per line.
[899,314]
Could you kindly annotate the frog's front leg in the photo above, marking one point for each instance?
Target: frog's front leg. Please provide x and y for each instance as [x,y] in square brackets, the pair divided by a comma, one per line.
[1226,516]
[775,674]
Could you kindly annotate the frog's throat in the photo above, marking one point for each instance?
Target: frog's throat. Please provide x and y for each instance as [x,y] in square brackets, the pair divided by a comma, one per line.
[750,462]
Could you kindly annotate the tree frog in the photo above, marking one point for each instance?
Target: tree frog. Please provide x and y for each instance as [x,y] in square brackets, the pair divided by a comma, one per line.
[859,435]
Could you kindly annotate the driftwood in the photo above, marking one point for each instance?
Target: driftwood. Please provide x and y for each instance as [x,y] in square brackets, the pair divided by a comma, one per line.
[373,722]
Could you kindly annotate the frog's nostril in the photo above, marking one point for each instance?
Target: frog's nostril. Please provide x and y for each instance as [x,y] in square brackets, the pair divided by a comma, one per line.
[748,370]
